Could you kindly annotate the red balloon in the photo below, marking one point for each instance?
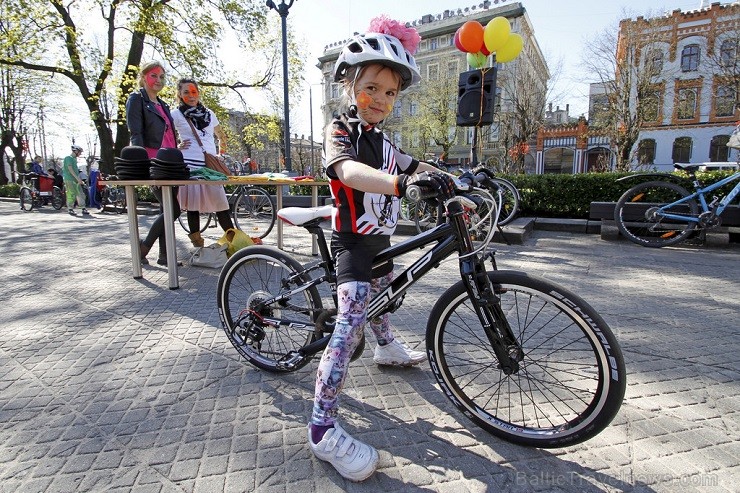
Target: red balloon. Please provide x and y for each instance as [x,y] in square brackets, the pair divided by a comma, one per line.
[484,50]
[457,41]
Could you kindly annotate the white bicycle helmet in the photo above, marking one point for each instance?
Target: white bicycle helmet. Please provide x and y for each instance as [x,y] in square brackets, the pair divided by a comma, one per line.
[76,148]
[378,48]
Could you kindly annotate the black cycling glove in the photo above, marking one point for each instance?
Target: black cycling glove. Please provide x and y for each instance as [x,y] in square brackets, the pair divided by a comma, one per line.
[441,182]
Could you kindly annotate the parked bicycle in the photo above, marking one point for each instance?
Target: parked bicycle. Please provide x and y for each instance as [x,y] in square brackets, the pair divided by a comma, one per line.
[252,209]
[36,190]
[112,197]
[428,215]
[660,213]
[524,358]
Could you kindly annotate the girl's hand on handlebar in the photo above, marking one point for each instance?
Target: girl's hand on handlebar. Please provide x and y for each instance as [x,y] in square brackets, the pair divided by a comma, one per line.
[441,183]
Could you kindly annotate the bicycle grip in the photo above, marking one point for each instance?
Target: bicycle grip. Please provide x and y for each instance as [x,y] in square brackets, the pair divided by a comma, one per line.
[415,193]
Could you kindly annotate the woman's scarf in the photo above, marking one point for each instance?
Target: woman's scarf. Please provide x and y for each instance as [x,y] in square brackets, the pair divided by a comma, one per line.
[199,115]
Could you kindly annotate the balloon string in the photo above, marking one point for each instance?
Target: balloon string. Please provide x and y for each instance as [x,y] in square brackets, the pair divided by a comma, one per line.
[482,95]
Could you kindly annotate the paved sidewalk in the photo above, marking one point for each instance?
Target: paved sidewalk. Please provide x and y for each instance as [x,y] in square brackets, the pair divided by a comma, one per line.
[112,384]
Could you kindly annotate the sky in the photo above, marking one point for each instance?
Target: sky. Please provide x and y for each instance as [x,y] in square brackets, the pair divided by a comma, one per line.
[562,29]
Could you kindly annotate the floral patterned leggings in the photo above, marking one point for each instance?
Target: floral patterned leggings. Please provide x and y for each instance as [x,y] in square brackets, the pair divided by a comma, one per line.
[352,298]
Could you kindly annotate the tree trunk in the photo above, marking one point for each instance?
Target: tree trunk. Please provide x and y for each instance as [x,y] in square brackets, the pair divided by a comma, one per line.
[128,84]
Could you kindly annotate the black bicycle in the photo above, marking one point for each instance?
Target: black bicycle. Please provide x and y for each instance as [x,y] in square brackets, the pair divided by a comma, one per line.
[525,359]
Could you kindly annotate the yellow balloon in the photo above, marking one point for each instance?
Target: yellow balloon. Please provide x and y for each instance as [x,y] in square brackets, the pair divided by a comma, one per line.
[511,49]
[496,33]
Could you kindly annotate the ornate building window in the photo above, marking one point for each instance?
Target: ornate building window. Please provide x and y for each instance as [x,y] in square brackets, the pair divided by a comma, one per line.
[690,58]
[650,106]
[686,104]
[433,71]
[646,151]
[682,150]
[728,52]
[718,150]
[724,101]
[397,109]
[654,62]
[413,108]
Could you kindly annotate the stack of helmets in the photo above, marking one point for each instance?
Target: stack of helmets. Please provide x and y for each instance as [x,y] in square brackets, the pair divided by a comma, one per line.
[169,165]
[133,164]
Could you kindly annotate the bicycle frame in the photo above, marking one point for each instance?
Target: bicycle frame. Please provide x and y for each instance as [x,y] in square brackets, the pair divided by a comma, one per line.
[447,238]
[700,194]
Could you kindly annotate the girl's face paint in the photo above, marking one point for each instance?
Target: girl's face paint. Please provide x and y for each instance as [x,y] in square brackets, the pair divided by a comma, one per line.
[189,94]
[363,100]
[154,79]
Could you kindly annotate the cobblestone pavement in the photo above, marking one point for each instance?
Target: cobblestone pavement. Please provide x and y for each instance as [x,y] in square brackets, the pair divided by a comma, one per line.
[108,383]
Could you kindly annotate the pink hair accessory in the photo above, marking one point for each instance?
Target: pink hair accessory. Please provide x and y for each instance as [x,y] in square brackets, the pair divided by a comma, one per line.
[408,36]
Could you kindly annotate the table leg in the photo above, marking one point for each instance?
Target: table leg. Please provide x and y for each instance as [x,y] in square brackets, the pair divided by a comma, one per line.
[314,203]
[133,230]
[279,205]
[169,234]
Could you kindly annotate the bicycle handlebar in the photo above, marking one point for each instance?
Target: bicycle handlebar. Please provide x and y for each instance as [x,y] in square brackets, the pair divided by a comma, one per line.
[416,193]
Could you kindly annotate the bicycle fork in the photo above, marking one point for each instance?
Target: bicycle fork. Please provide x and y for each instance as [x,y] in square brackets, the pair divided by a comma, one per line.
[487,304]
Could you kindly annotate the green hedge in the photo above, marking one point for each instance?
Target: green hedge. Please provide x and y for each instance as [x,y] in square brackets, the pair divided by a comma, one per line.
[570,196]
[566,196]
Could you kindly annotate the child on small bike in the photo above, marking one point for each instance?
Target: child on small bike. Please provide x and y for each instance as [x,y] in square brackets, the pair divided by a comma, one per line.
[367,175]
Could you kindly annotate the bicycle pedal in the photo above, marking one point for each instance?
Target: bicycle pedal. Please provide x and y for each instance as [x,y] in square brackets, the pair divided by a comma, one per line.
[290,361]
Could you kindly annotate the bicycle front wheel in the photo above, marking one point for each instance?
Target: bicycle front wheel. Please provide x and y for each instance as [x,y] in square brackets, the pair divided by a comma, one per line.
[640,214]
[250,277]
[425,216]
[509,201]
[26,198]
[571,378]
[254,212]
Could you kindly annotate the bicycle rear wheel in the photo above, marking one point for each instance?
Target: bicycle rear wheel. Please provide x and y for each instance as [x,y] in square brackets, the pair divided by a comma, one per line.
[254,212]
[57,198]
[637,217]
[205,221]
[571,380]
[509,201]
[26,198]
[251,276]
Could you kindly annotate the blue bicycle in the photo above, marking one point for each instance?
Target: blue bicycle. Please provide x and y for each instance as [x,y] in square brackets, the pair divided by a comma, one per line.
[663,213]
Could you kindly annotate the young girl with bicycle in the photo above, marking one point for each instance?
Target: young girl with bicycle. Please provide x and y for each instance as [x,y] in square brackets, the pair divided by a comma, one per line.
[367,175]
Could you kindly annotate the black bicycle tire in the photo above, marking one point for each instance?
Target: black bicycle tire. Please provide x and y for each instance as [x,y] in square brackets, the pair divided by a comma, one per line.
[593,349]
[26,199]
[57,198]
[205,221]
[237,273]
[640,232]
[510,201]
[266,211]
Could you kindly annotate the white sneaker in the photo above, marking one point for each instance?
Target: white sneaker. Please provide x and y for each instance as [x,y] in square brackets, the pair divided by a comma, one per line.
[351,458]
[397,353]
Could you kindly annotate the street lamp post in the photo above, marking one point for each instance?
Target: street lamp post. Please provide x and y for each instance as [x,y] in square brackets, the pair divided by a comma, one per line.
[310,120]
[282,9]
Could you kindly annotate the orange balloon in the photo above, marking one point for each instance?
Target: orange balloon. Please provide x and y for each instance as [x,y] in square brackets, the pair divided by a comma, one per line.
[471,36]
[511,49]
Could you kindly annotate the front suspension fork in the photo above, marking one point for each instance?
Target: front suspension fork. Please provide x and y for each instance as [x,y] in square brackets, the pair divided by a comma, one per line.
[487,304]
